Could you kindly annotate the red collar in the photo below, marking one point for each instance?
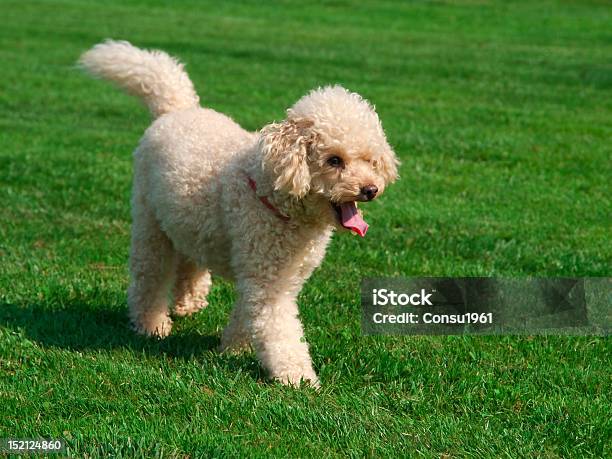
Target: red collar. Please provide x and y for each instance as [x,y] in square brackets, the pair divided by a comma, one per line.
[266,202]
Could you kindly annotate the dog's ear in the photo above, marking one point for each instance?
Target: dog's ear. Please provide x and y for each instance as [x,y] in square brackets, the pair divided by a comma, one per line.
[387,165]
[285,148]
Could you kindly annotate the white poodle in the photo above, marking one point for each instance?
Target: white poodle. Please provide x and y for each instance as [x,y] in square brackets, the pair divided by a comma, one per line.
[258,208]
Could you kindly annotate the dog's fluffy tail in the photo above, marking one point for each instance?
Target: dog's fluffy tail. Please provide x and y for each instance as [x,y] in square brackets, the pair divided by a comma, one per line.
[154,76]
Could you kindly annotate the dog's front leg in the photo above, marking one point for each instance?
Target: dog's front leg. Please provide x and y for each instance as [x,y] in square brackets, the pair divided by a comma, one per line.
[276,332]
[236,335]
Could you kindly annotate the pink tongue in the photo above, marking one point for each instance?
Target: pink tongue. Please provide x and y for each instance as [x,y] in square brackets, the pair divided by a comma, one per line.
[351,219]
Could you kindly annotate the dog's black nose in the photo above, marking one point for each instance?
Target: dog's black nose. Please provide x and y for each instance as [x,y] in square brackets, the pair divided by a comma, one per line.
[369,192]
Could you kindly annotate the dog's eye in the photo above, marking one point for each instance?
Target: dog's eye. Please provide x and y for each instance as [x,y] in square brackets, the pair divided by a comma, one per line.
[335,161]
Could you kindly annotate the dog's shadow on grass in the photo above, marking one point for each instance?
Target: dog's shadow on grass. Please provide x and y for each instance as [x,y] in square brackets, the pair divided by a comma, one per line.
[81,327]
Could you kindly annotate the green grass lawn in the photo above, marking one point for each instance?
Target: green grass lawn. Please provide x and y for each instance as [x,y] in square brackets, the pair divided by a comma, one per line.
[501,113]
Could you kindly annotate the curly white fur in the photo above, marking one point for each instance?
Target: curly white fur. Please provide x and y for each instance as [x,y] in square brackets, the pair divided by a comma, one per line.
[194,212]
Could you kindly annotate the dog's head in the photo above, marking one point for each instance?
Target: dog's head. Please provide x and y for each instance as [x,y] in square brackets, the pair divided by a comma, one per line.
[330,152]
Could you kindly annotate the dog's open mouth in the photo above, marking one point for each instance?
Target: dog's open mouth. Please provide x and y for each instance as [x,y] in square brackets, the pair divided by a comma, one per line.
[349,217]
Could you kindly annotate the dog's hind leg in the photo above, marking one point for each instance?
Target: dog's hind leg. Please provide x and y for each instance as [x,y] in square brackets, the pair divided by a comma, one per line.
[152,269]
[191,287]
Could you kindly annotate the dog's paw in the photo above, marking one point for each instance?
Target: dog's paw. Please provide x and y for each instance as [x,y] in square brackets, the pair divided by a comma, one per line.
[187,308]
[234,345]
[296,378]
[234,348]
[156,326]
[234,338]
